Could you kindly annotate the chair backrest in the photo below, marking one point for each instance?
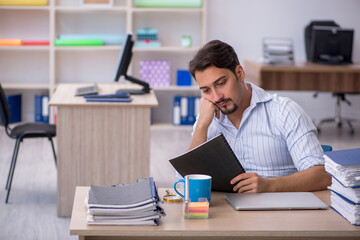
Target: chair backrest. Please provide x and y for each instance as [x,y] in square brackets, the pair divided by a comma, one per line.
[326,148]
[4,109]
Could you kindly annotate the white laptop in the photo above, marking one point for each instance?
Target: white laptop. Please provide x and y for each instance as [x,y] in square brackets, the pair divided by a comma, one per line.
[275,201]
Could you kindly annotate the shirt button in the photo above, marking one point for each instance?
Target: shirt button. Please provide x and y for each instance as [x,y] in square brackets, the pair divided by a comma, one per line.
[238,139]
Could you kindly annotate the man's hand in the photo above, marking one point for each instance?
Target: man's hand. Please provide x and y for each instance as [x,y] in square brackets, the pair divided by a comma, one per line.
[311,179]
[207,111]
[206,115]
[250,183]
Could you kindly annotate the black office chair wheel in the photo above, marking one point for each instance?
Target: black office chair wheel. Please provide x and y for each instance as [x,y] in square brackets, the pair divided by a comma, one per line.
[339,125]
[352,131]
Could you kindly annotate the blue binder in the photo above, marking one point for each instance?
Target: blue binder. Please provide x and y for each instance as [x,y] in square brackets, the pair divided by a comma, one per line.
[14,102]
[42,108]
[185,110]
[348,157]
[176,111]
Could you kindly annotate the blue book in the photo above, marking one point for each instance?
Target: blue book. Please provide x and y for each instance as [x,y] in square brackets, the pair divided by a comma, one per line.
[14,102]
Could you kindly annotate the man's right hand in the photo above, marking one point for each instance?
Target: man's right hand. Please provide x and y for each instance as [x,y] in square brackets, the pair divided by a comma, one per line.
[207,112]
[206,115]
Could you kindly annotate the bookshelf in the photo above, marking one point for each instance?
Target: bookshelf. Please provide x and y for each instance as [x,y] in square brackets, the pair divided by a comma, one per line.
[38,69]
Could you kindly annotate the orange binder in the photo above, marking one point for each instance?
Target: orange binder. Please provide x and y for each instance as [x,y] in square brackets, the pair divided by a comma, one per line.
[23,2]
[10,42]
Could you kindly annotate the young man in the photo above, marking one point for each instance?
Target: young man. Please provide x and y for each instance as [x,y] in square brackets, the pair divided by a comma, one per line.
[272,137]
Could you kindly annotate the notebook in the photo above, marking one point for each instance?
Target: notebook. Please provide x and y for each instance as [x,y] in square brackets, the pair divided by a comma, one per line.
[215,158]
[275,201]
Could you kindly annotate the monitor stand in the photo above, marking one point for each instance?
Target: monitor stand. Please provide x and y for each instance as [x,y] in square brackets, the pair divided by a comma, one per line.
[144,90]
[332,59]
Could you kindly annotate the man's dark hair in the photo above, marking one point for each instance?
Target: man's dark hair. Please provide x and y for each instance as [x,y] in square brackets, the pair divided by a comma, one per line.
[214,53]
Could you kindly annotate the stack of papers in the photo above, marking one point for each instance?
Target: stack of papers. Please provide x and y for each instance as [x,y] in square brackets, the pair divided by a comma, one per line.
[344,167]
[124,204]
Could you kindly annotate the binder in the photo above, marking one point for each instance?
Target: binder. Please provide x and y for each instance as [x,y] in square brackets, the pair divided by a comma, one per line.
[42,108]
[344,165]
[23,2]
[176,111]
[38,108]
[45,108]
[108,39]
[215,158]
[183,110]
[78,42]
[190,114]
[14,102]
[346,208]
[124,204]
[36,43]
[10,42]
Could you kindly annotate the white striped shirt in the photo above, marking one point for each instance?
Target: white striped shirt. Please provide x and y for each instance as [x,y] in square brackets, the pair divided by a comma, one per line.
[275,138]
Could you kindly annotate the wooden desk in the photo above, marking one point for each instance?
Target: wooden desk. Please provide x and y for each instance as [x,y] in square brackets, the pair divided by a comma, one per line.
[304,77]
[223,223]
[99,143]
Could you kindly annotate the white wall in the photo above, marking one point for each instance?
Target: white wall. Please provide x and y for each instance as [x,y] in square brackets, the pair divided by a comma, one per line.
[243,24]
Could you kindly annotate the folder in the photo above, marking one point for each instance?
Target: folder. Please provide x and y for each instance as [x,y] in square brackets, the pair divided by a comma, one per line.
[10,42]
[14,102]
[23,2]
[214,158]
[36,43]
[42,108]
[176,111]
[78,42]
[344,165]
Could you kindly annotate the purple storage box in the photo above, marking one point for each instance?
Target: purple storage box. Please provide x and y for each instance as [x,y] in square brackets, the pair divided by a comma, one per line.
[155,72]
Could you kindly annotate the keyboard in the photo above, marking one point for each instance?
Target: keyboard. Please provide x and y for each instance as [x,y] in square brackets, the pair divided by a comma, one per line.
[87,90]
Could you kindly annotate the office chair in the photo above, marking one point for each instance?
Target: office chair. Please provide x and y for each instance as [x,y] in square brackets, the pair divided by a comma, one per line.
[20,132]
[338,119]
[326,148]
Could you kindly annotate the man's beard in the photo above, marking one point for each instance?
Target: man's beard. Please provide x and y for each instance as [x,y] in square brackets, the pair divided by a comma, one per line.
[230,110]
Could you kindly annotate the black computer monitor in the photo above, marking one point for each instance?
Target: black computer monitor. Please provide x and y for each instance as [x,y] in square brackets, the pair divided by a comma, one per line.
[123,65]
[331,45]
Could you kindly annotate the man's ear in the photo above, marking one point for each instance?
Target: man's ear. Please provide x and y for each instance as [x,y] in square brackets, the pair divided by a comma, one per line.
[240,73]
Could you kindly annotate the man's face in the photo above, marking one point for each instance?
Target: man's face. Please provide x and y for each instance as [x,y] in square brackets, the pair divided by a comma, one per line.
[222,87]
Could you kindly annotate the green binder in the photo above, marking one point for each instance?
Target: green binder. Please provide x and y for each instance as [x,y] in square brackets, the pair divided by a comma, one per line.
[78,42]
[168,3]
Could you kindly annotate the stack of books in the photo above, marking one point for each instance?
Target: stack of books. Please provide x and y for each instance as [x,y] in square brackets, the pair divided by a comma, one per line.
[344,167]
[124,204]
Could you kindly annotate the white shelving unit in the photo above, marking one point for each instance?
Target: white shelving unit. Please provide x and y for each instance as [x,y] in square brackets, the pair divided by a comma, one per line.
[38,69]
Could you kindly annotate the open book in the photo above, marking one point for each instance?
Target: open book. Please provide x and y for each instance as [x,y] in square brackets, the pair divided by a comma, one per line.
[215,158]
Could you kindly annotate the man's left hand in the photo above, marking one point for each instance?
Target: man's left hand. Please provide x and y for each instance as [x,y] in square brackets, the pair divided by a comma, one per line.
[250,183]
